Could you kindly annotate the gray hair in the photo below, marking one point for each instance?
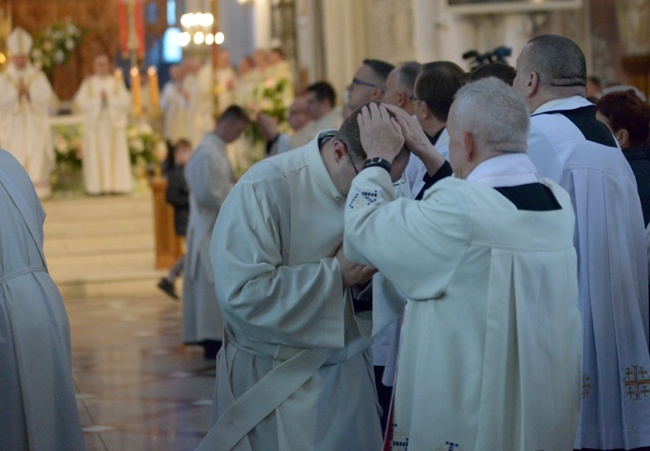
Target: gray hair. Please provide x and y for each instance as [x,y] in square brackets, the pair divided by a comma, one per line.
[494,114]
[558,61]
[407,73]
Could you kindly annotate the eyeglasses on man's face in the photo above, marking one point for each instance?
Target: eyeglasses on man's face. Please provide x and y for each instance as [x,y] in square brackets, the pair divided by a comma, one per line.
[356,81]
[414,99]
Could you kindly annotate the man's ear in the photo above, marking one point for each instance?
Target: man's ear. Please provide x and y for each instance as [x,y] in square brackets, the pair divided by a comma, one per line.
[469,147]
[339,151]
[623,137]
[377,94]
[402,99]
[533,84]
[426,111]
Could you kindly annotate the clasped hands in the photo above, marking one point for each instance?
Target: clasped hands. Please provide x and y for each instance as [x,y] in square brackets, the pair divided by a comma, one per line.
[23,91]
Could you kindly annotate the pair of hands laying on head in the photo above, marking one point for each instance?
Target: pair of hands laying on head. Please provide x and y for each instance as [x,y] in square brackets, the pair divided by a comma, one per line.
[384,136]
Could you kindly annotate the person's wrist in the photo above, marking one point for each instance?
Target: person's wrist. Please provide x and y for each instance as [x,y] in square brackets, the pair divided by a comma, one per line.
[378,162]
[381,153]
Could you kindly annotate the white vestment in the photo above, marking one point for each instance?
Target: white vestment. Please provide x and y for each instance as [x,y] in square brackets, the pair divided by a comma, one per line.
[612,275]
[201,106]
[175,113]
[226,80]
[491,342]
[280,288]
[38,410]
[106,161]
[209,178]
[24,123]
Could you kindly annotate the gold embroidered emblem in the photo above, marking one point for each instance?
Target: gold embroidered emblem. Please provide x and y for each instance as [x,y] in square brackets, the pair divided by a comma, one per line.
[637,381]
[586,386]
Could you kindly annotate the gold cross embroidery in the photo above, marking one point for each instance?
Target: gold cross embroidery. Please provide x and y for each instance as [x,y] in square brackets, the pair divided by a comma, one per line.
[637,382]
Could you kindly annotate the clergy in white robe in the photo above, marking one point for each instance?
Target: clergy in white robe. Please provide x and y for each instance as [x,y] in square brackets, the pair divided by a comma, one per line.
[295,372]
[321,107]
[568,145]
[209,178]
[490,351]
[199,84]
[225,79]
[105,103]
[174,102]
[38,410]
[25,98]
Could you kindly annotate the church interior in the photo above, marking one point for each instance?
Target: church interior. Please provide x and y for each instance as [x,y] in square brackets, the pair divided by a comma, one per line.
[137,386]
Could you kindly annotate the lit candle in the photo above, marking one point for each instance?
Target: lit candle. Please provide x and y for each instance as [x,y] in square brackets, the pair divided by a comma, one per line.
[135,91]
[154,91]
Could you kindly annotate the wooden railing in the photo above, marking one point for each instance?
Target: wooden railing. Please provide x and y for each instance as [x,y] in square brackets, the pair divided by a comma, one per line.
[168,245]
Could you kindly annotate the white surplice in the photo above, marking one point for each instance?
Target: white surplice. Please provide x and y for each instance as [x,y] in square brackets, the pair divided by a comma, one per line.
[612,276]
[491,343]
[201,104]
[209,178]
[106,161]
[38,410]
[280,288]
[175,112]
[24,123]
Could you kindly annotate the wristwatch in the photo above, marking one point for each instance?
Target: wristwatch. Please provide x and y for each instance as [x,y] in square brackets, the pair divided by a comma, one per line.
[377,161]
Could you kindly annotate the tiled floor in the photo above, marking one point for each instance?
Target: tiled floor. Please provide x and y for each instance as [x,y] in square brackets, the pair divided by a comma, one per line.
[138,387]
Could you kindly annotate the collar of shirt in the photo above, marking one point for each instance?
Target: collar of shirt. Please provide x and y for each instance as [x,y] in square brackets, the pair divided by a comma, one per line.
[505,170]
[567,103]
[216,141]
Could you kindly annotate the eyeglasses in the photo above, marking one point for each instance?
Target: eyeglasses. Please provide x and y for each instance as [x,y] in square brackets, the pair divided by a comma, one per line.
[414,99]
[356,171]
[356,81]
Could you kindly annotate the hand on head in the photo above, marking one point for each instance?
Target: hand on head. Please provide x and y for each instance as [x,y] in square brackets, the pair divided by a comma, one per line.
[417,141]
[415,138]
[381,135]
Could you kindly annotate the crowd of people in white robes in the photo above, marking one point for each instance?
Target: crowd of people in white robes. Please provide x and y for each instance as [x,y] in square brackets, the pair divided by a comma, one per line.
[513,277]
[483,234]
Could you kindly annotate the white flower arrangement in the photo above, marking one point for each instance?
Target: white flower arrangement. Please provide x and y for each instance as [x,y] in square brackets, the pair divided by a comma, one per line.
[144,144]
[54,46]
[68,144]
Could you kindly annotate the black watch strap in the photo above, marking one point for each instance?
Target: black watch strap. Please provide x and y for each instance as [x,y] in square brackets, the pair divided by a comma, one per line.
[377,161]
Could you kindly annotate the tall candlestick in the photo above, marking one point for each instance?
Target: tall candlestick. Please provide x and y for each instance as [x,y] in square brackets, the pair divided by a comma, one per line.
[154,91]
[135,92]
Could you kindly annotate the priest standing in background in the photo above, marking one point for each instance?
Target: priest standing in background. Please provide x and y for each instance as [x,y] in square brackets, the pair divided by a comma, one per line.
[25,96]
[105,103]
[209,177]
[570,146]
[174,102]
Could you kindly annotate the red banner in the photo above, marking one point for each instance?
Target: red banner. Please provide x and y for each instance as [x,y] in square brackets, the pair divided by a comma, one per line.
[131,20]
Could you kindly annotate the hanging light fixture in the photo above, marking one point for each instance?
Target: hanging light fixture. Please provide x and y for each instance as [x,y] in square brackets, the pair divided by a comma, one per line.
[197,30]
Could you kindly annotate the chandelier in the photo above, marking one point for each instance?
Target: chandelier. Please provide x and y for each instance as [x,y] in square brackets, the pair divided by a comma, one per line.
[198,30]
